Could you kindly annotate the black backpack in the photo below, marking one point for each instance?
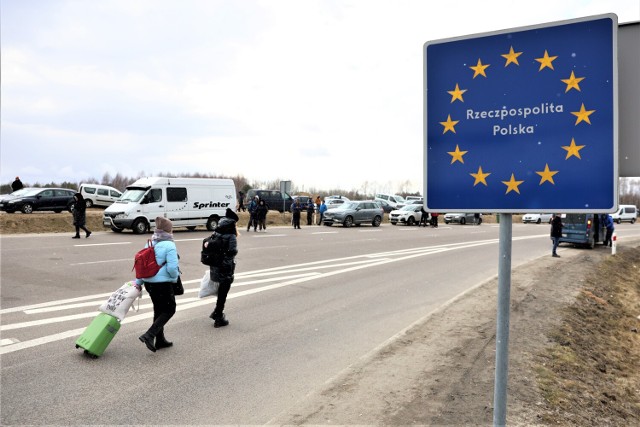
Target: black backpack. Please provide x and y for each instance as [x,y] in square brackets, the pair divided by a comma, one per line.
[213,253]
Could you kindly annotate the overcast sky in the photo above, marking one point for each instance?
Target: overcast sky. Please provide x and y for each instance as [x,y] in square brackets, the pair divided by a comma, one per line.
[327,93]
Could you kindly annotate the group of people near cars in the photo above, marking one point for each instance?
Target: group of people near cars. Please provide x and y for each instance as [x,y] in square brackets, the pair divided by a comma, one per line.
[258,209]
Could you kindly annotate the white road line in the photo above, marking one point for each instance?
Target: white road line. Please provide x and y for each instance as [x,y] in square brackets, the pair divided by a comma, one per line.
[102,262]
[102,244]
[325,232]
[188,303]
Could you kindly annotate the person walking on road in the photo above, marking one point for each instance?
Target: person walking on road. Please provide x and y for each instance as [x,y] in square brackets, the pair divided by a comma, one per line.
[223,273]
[252,214]
[80,215]
[160,286]
[556,233]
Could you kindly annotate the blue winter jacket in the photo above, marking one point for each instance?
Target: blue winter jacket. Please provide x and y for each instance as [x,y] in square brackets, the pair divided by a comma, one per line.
[167,257]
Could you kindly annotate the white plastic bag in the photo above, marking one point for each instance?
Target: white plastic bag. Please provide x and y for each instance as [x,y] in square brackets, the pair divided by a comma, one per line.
[207,286]
[120,301]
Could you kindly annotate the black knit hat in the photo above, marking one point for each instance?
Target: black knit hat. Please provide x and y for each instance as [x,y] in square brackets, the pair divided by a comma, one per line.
[231,215]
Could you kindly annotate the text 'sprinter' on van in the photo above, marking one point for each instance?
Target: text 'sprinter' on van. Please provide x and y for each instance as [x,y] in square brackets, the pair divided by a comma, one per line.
[187,202]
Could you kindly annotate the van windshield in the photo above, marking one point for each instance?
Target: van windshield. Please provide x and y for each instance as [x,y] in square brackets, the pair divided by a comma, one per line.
[132,195]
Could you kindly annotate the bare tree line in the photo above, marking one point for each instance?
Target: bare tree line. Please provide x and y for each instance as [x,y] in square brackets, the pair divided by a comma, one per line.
[629,188]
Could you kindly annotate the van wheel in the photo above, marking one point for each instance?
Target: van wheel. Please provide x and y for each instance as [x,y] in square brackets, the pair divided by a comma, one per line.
[618,220]
[539,221]
[139,226]
[88,202]
[633,220]
[212,223]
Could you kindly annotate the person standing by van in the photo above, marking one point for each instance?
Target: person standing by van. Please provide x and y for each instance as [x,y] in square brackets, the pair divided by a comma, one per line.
[223,273]
[160,286]
[80,215]
[608,222]
[556,233]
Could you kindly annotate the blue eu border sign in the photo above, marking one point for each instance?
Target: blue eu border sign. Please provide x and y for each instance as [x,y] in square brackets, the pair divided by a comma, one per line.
[523,120]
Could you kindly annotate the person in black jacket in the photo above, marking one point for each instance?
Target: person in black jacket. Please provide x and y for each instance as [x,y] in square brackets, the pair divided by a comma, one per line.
[310,210]
[556,233]
[223,271]
[296,208]
[261,215]
[16,185]
[80,215]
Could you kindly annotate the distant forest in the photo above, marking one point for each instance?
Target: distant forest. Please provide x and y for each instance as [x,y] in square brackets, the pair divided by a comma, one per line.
[629,187]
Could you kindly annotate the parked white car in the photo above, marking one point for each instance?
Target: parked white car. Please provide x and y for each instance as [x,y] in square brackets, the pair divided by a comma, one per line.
[409,215]
[537,218]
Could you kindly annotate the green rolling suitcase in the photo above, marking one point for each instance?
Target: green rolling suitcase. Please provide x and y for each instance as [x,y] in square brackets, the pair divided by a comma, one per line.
[95,339]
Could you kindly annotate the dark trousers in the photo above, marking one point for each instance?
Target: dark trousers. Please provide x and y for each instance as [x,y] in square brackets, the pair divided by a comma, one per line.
[607,239]
[309,218]
[225,278]
[164,306]
[78,227]
[296,220]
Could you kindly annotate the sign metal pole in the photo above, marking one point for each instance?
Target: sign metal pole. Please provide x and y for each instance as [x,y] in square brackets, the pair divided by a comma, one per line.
[502,321]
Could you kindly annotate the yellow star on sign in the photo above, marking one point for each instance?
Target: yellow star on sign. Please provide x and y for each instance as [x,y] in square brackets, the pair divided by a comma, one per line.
[511,57]
[512,184]
[546,174]
[479,69]
[573,149]
[572,82]
[583,115]
[449,124]
[546,61]
[457,155]
[456,93]
[480,177]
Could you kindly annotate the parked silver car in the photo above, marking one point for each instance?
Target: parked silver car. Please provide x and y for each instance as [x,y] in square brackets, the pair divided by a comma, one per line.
[355,213]
[463,218]
[537,218]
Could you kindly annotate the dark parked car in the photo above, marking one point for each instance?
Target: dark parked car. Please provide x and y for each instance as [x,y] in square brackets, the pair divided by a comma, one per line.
[39,199]
[274,199]
[355,213]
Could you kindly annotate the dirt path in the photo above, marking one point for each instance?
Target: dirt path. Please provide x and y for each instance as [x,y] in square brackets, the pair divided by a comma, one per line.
[440,371]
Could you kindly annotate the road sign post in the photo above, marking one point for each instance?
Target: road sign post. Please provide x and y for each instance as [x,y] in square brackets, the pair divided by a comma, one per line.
[521,121]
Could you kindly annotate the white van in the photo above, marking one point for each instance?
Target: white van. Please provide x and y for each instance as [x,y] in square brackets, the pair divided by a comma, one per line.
[625,213]
[187,202]
[99,195]
[392,199]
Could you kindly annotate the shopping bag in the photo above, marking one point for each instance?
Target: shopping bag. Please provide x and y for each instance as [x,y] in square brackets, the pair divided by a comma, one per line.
[207,286]
[121,301]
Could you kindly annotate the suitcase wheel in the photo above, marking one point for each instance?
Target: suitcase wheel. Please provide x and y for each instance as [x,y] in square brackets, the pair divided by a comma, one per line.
[77,346]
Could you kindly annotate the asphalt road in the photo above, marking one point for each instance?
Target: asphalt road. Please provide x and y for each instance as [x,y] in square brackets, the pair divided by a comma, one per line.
[305,305]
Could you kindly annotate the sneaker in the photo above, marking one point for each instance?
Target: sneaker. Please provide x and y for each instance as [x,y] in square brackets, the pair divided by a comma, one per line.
[220,322]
